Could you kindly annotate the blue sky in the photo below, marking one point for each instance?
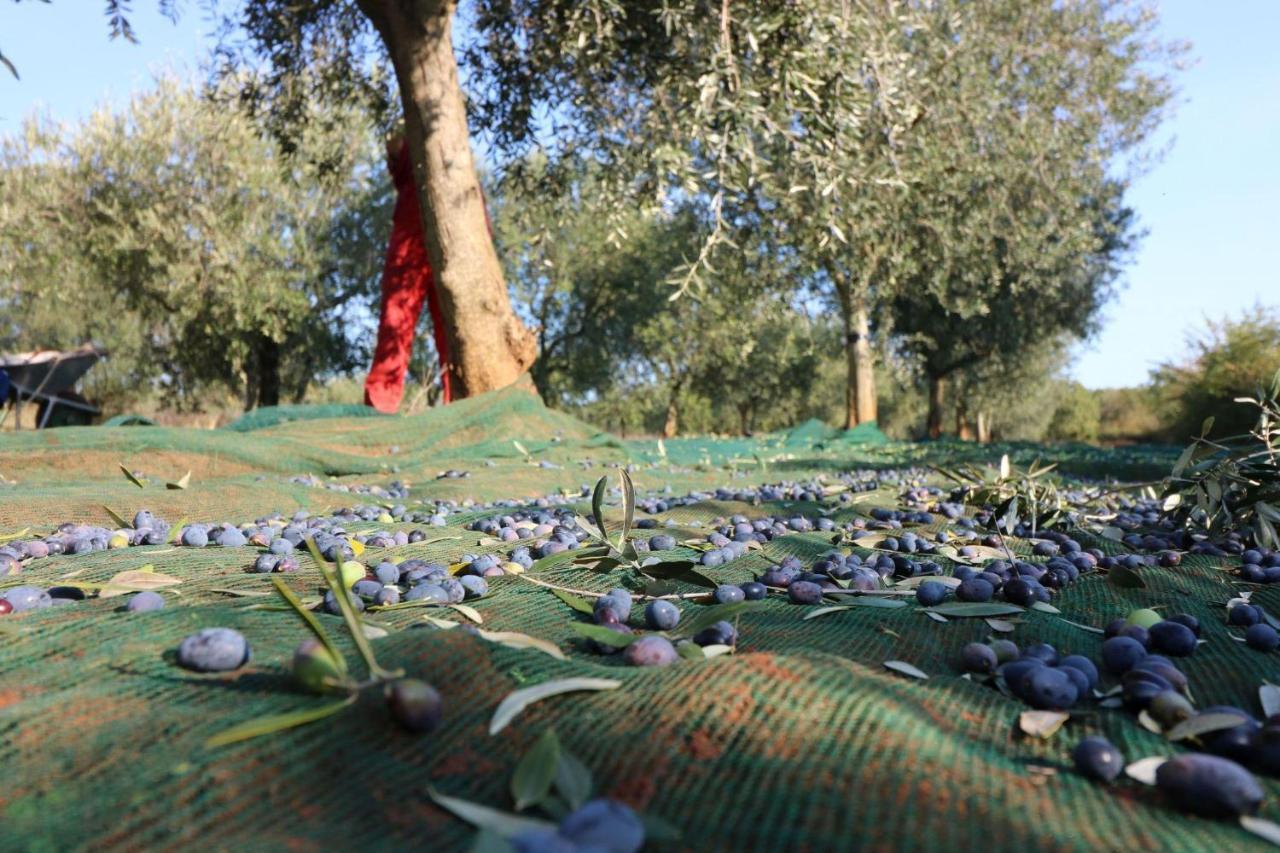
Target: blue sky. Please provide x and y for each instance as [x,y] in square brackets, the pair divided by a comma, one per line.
[1212,206]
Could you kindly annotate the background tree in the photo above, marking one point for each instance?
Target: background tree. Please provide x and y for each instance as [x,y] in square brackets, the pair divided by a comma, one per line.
[1227,359]
[173,233]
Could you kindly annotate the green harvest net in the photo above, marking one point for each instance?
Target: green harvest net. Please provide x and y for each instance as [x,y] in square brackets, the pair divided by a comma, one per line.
[801,740]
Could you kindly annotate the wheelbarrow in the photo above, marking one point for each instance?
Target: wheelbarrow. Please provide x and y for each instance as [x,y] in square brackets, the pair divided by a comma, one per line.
[47,378]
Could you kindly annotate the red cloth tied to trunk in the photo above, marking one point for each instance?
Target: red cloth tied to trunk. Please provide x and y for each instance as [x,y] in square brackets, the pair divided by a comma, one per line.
[407,279]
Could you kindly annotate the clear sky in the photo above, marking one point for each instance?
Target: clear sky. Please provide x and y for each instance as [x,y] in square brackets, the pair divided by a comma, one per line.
[1212,207]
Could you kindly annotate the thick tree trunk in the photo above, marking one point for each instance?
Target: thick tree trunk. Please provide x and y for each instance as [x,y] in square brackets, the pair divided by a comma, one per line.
[489,344]
[672,423]
[860,390]
[937,398]
[268,373]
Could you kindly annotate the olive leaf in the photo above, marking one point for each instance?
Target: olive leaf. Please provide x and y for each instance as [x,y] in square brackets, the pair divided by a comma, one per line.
[597,502]
[532,779]
[604,636]
[573,780]
[628,505]
[129,475]
[1202,724]
[975,609]
[175,532]
[469,612]
[1045,607]
[120,522]
[1144,769]
[905,668]
[1126,578]
[181,483]
[1261,827]
[516,640]
[682,570]
[1269,696]
[577,602]
[691,651]
[277,723]
[1042,724]
[349,614]
[481,816]
[136,580]
[516,702]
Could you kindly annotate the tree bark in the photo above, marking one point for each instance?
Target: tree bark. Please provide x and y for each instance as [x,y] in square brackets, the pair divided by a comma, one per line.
[268,372]
[937,395]
[860,390]
[490,346]
[984,428]
[672,423]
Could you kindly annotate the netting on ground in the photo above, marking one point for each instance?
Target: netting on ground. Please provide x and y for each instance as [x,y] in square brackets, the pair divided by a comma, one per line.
[800,740]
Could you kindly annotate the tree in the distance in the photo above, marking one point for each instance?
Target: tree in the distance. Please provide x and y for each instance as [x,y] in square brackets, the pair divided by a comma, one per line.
[179,220]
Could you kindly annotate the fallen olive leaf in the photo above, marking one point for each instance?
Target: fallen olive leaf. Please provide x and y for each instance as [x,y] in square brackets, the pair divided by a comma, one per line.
[1042,724]
[1202,724]
[1269,696]
[577,602]
[1126,578]
[975,609]
[469,612]
[277,723]
[531,781]
[120,522]
[136,580]
[521,699]
[499,822]
[516,640]
[604,636]
[691,651]
[905,668]
[573,780]
[1264,829]
[1144,769]
[129,475]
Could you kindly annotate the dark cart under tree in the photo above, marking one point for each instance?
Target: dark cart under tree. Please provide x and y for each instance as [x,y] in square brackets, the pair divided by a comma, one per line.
[48,377]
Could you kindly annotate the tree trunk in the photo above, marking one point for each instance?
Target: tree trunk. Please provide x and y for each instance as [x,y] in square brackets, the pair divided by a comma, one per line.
[268,373]
[937,393]
[490,346]
[984,428]
[964,427]
[744,420]
[672,422]
[860,390]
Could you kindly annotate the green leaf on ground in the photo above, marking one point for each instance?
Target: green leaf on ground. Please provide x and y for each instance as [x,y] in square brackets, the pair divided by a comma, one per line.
[531,781]
[523,698]
[499,822]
